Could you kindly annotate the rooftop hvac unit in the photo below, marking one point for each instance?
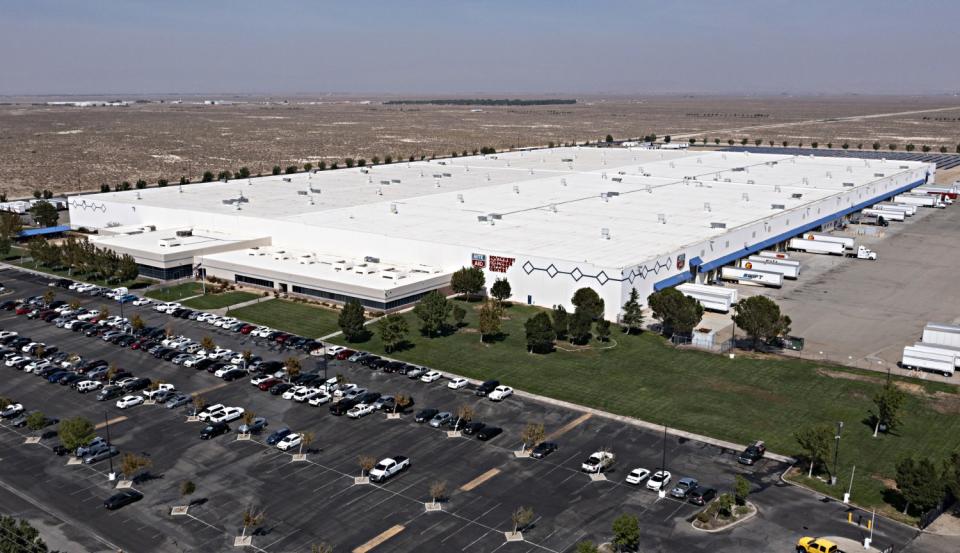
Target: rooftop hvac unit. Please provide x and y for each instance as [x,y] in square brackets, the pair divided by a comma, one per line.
[302,192]
[460,198]
[379,191]
[662,218]
[778,206]
[849,169]
[448,174]
[566,160]
[878,174]
[371,259]
[364,170]
[737,169]
[706,206]
[516,189]
[699,160]
[188,232]
[796,196]
[393,209]
[613,193]
[438,175]
[315,190]
[563,182]
[441,163]
[385,182]
[394,181]
[745,197]
[904,166]
[777,188]
[168,242]
[617,179]
[496,216]
[605,233]
[805,180]
[751,182]
[829,175]
[727,180]
[848,184]
[718,225]
[482,218]
[369,179]
[603,196]
[138,195]
[672,165]
[287,179]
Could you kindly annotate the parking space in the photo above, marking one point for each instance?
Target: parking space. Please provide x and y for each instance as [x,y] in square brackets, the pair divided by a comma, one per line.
[317,500]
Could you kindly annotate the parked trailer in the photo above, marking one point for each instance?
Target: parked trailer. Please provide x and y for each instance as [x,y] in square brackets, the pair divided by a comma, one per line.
[848,242]
[786,267]
[942,334]
[816,246]
[943,192]
[937,348]
[750,276]
[908,210]
[774,255]
[714,298]
[866,219]
[923,200]
[914,358]
[886,214]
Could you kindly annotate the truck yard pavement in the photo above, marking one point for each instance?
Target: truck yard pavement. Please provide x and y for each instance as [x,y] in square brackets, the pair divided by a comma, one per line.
[317,500]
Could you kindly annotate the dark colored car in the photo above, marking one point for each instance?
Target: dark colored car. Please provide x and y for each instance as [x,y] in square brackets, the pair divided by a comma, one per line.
[59,450]
[279,388]
[369,360]
[543,449]
[368,398]
[344,405]
[701,495]
[488,432]
[121,499]
[137,385]
[306,379]
[168,356]
[752,454]
[69,379]
[160,352]
[343,354]
[277,435]
[268,384]
[213,430]
[204,364]
[426,414]
[457,423]
[234,374]
[487,387]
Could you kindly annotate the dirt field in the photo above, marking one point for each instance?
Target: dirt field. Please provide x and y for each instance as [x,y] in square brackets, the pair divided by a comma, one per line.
[69,148]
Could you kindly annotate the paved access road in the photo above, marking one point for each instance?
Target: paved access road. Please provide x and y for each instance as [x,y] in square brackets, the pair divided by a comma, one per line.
[317,500]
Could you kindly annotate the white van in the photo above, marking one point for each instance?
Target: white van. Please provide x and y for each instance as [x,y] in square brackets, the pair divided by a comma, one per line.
[117,292]
[88,386]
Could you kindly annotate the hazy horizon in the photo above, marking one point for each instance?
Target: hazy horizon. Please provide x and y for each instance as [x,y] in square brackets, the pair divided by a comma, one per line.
[430,48]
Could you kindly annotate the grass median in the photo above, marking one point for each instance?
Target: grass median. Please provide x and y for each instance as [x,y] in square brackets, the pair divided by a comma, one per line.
[741,399]
[298,318]
[176,292]
[219,301]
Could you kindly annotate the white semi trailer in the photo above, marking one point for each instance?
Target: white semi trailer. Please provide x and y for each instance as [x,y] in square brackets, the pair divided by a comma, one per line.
[714,298]
[889,215]
[923,200]
[774,255]
[924,359]
[937,348]
[834,248]
[942,334]
[749,276]
[848,242]
[786,267]
[907,210]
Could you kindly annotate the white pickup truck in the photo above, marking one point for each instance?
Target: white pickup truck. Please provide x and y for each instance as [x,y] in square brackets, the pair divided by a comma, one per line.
[597,462]
[389,467]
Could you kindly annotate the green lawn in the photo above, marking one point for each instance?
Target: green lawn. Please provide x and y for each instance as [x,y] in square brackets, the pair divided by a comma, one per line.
[175,292]
[219,301]
[298,318]
[740,400]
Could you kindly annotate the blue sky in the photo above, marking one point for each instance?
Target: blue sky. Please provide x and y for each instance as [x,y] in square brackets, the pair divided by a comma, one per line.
[494,47]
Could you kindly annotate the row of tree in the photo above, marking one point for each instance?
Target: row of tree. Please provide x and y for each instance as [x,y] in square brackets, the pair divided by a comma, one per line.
[910,147]
[82,257]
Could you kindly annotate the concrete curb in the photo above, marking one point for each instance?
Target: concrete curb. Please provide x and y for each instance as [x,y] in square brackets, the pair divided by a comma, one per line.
[756,511]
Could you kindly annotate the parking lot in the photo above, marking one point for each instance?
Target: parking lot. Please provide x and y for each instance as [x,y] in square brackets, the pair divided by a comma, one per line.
[316,500]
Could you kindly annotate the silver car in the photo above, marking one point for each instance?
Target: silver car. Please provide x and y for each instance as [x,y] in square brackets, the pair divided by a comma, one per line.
[440,419]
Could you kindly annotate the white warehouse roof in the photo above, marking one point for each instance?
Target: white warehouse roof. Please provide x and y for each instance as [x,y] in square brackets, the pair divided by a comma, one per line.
[550,203]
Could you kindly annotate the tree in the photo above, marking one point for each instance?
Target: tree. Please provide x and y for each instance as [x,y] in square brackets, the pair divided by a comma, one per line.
[521,517]
[243,173]
[137,322]
[539,333]
[252,517]
[432,310]
[366,463]
[889,406]
[815,441]
[603,330]
[10,226]
[724,505]
[459,314]
[464,413]
[892,147]
[322,547]
[76,432]
[632,317]
[501,290]
[393,331]
[911,147]
[760,318]
[306,438]
[876,145]
[307,167]
[291,169]
[400,402]
[587,300]
[586,546]
[207,343]
[20,537]
[489,320]
[198,403]
[579,327]
[741,489]
[44,214]
[814,144]
[676,312]
[468,281]
[626,532]
[131,464]
[609,138]
[351,321]
[919,483]
[276,170]
[951,473]
[127,269]
[533,434]
[48,297]
[207,176]
[561,322]
[925,148]
[141,184]
[292,366]
[438,490]
[36,421]
[187,487]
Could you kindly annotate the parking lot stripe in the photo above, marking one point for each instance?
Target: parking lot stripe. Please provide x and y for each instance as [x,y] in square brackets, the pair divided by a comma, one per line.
[480,480]
[377,540]
[114,420]
[202,391]
[568,427]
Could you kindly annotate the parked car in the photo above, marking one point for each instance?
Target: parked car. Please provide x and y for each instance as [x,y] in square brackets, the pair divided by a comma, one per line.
[289,441]
[701,495]
[487,387]
[684,486]
[637,476]
[598,461]
[256,425]
[753,453]
[489,432]
[214,429]
[473,427]
[178,400]
[121,499]
[360,410]
[440,419]
[426,415]
[500,393]
[543,449]
[457,383]
[389,467]
[100,455]
[129,401]
[430,376]
[277,435]
[659,480]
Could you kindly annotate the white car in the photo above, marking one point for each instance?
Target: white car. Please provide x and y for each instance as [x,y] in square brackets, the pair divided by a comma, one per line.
[142,301]
[431,376]
[457,383]
[289,441]
[659,481]
[227,414]
[220,372]
[14,360]
[227,321]
[330,351]
[92,314]
[292,392]
[637,476]
[342,389]
[165,387]
[210,411]
[36,366]
[85,386]
[29,347]
[129,401]
[319,399]
[167,307]
[7,334]
[306,394]
[500,393]
[261,331]
[204,317]
[360,410]
[257,380]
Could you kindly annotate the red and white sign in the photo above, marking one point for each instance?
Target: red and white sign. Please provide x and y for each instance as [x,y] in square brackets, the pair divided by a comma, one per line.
[500,264]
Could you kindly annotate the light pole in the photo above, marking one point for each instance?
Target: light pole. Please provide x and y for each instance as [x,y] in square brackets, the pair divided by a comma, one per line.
[663,464]
[836,454]
[106,423]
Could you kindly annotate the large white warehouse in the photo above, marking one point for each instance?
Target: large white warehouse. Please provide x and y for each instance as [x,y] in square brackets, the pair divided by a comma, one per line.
[550,221]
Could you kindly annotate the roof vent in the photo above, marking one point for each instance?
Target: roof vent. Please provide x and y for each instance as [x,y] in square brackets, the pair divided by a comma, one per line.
[496,216]
[662,218]
[605,233]
[718,225]
[796,196]
[604,197]
[805,180]
[379,191]
[448,174]
[393,209]
[302,192]
[617,179]
[778,206]
[516,189]
[745,197]
[706,206]
[460,198]
[385,182]
[287,179]
[848,184]
[188,232]
[553,208]
[563,182]
[482,218]
[878,174]
[751,182]
[395,181]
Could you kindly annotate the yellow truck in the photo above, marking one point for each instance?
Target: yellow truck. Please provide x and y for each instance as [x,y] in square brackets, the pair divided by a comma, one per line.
[816,545]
